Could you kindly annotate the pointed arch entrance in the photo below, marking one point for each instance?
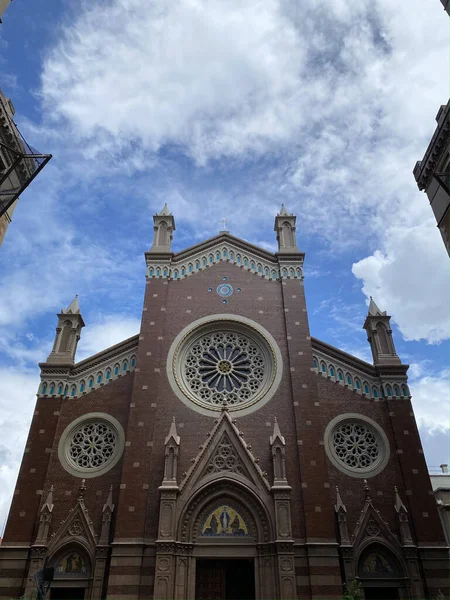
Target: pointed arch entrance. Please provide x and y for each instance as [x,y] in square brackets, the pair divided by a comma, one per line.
[229,533]
[224,509]
[381,574]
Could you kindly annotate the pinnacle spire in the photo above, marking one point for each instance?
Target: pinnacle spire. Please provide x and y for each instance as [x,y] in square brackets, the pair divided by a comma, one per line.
[173,433]
[339,506]
[276,433]
[49,502]
[165,211]
[283,212]
[109,503]
[74,307]
[374,311]
[399,506]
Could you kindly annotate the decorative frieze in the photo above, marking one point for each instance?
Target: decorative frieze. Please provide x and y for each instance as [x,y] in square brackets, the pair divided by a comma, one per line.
[89,374]
[264,265]
[355,374]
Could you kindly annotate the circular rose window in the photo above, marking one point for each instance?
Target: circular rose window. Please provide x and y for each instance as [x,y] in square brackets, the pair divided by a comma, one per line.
[356,445]
[223,363]
[91,445]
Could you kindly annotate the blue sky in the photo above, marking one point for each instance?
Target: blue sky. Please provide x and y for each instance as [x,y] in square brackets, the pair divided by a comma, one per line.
[224,108]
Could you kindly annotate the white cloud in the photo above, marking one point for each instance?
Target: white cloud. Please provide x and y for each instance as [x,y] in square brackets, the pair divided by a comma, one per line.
[211,76]
[17,401]
[431,401]
[107,331]
[409,279]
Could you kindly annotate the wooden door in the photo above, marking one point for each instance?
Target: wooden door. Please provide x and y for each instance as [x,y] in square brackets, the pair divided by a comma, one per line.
[210,580]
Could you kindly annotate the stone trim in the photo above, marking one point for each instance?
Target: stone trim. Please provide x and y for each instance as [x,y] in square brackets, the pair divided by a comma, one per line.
[332,361]
[224,249]
[63,446]
[237,322]
[69,379]
[381,439]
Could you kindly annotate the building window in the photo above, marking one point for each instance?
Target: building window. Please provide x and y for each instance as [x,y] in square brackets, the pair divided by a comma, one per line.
[60,389]
[72,393]
[99,378]
[116,370]
[331,371]
[91,382]
[340,376]
[133,361]
[323,368]
[81,387]
[224,363]
[347,432]
[91,445]
[315,363]
[52,390]
[388,391]
[108,373]
[125,365]
[366,389]
[357,384]
[375,393]
[44,388]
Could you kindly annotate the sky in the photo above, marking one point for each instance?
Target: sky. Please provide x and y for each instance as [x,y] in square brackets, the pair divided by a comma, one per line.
[224,108]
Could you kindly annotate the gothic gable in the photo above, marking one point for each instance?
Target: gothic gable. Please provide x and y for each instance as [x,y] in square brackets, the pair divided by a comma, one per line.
[224,248]
[76,528]
[225,454]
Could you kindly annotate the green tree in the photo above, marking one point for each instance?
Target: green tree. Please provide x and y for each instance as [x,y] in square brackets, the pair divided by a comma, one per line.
[353,591]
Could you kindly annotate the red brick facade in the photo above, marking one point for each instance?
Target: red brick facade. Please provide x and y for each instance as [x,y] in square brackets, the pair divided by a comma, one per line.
[298,550]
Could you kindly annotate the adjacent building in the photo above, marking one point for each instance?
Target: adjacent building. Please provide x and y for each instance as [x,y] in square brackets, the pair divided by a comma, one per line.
[440,482]
[432,173]
[3,6]
[19,163]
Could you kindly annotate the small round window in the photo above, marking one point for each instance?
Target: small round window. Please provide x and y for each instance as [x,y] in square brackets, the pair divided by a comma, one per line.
[356,445]
[91,445]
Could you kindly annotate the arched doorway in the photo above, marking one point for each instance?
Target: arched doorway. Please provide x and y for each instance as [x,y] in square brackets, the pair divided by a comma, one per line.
[72,576]
[229,532]
[381,574]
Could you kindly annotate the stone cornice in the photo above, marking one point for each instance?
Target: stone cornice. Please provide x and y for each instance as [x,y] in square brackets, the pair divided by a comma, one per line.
[89,374]
[441,137]
[225,248]
[219,239]
[343,357]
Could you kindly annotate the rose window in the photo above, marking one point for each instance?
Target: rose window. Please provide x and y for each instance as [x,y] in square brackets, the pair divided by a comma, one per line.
[356,445]
[92,445]
[224,364]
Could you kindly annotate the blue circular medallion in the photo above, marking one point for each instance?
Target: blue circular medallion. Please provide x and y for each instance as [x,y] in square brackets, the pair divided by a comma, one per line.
[224,290]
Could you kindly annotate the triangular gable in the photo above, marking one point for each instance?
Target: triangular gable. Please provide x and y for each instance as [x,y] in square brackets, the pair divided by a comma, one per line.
[225,453]
[371,524]
[224,248]
[77,527]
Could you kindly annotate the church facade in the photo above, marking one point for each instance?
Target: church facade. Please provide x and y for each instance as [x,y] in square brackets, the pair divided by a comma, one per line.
[223,452]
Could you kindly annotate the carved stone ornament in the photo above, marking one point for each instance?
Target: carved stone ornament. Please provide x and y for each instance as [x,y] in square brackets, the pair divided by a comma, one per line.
[284,547]
[347,552]
[410,552]
[38,552]
[163,564]
[372,528]
[286,565]
[76,528]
